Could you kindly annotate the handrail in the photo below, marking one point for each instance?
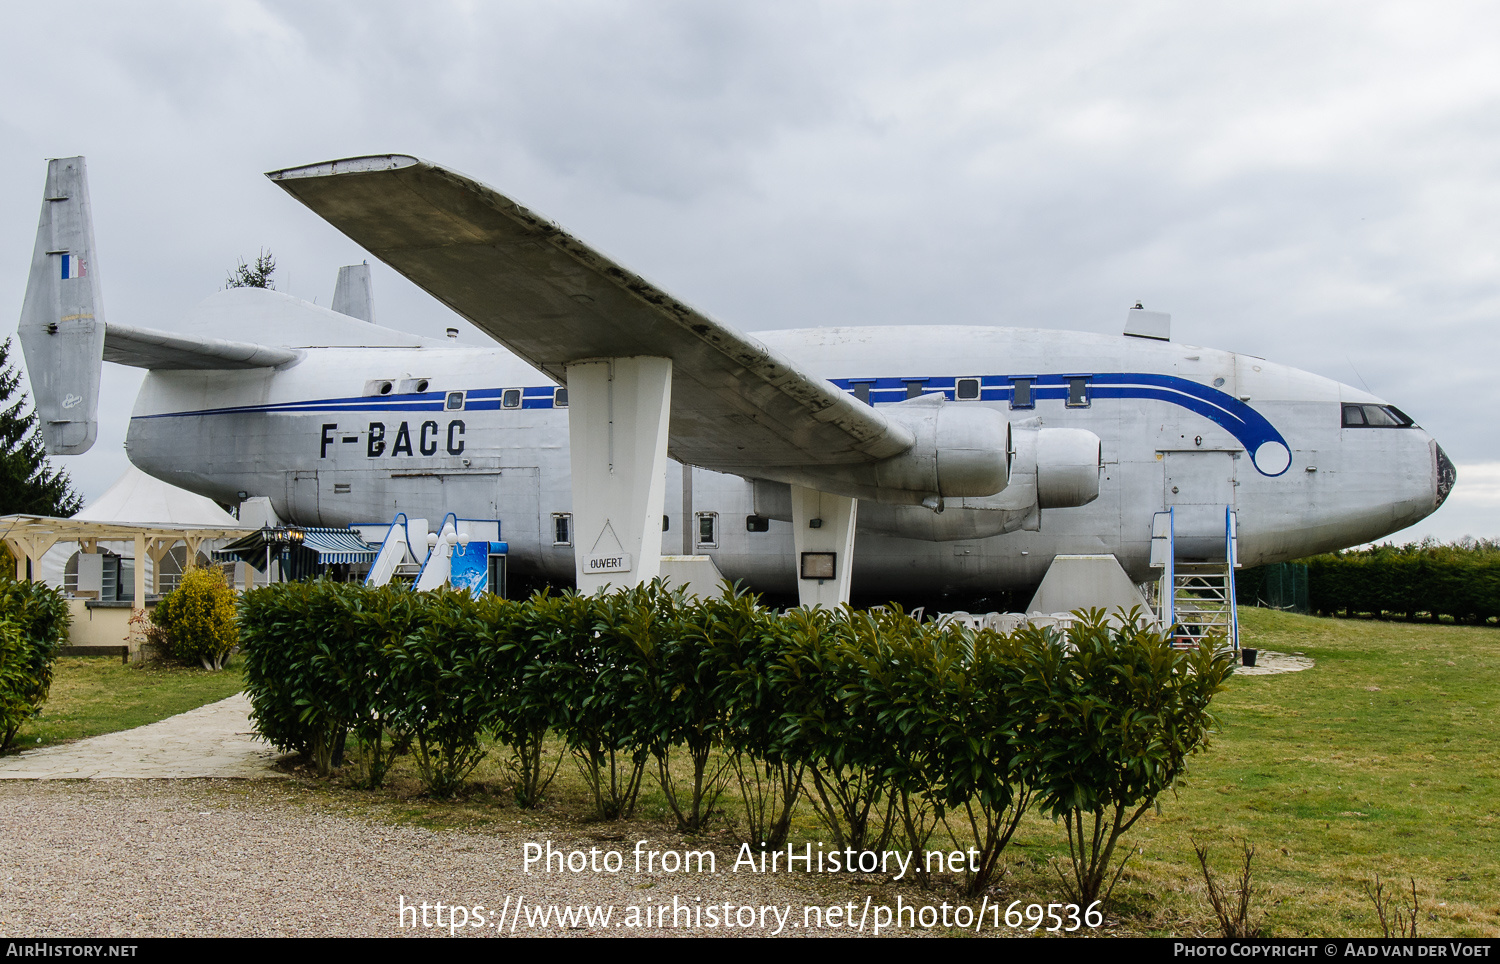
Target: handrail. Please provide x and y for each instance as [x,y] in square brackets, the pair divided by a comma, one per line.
[386,546]
[1232,562]
[1169,578]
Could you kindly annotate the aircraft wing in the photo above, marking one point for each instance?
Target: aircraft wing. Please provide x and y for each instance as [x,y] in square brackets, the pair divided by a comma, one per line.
[149,348]
[552,299]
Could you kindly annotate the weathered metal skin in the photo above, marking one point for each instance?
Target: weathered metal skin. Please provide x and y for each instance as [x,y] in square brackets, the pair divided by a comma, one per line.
[62,319]
[978,453]
[267,433]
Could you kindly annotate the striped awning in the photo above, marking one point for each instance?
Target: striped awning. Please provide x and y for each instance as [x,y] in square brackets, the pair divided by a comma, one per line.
[327,545]
[338,545]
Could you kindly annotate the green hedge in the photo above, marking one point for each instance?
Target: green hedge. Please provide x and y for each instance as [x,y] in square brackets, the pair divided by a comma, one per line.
[898,724]
[34,623]
[1459,581]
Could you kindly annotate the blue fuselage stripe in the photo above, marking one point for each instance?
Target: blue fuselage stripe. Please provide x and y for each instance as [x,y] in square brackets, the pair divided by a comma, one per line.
[1233,415]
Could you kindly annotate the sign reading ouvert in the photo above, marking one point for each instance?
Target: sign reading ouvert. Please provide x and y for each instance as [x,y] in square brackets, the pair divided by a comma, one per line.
[619,562]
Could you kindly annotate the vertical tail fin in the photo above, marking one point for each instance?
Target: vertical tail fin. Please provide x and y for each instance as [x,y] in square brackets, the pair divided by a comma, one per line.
[62,320]
[352,294]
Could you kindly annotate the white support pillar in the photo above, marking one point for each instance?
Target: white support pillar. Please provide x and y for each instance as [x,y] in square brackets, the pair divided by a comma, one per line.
[618,410]
[822,526]
[140,572]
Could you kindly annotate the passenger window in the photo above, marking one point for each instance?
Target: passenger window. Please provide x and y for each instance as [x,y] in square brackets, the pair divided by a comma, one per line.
[708,529]
[1078,393]
[915,388]
[560,398]
[455,402]
[861,391]
[562,528]
[757,523]
[510,398]
[1020,393]
[968,389]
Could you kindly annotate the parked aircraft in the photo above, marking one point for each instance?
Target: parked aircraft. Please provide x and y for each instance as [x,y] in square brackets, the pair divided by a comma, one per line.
[964,458]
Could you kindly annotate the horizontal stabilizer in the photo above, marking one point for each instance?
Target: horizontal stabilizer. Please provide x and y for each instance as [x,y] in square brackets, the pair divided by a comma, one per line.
[552,300]
[149,348]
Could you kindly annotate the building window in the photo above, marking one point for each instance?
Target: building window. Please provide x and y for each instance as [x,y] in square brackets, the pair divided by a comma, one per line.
[562,528]
[708,529]
[1020,393]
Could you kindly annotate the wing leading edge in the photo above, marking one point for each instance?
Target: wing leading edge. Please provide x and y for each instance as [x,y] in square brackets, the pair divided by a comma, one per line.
[552,300]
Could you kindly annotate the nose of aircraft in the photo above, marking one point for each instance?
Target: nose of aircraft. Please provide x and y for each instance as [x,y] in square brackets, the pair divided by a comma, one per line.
[1445,475]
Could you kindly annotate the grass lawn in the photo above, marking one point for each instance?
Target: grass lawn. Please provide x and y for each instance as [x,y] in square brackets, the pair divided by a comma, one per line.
[1382,759]
[94,694]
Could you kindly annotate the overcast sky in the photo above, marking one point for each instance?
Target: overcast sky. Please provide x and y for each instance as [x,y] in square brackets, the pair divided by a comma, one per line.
[1313,182]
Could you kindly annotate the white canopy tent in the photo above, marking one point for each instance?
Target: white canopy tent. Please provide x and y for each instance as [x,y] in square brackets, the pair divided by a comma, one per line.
[138,517]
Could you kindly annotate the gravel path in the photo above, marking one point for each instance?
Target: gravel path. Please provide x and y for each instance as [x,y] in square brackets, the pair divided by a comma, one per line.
[157,858]
[216,740]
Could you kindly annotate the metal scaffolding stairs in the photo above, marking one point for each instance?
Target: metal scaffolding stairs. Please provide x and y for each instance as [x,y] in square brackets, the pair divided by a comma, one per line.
[1196,598]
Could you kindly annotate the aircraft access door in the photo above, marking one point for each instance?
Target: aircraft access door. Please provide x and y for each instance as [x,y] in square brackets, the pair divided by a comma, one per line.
[1198,485]
[302,498]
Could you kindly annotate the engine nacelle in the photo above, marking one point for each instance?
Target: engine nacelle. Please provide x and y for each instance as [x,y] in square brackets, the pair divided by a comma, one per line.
[964,456]
[960,450]
[1052,468]
[1067,467]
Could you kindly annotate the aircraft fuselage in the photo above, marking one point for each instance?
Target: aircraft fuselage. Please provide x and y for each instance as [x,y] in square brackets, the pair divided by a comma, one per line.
[1191,428]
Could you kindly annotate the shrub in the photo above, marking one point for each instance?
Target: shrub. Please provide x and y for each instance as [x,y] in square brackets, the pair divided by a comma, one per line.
[199,618]
[1115,713]
[33,626]
[587,672]
[273,620]
[446,674]
[834,724]
[902,726]
[746,648]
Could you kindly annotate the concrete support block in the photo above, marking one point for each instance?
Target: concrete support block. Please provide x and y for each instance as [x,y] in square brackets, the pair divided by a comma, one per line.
[618,410]
[822,524]
[1075,582]
[699,575]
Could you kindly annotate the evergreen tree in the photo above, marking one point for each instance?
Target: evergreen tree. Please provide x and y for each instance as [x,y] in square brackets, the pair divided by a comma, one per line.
[27,483]
[257,275]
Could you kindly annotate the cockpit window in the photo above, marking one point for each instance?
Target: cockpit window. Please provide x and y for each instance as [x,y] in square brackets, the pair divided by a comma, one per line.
[1375,416]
